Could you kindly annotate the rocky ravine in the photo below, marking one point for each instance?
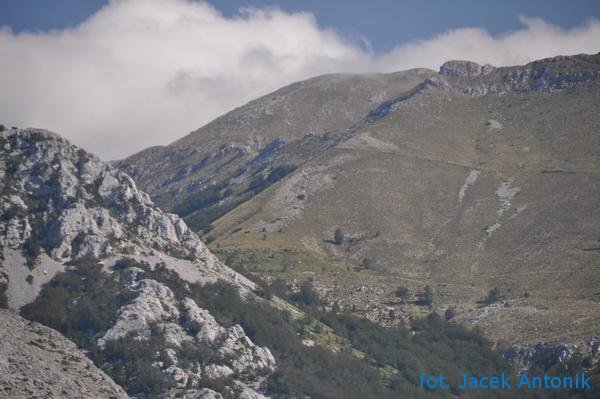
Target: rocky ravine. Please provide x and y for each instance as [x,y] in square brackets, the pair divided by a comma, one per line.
[38,362]
[60,204]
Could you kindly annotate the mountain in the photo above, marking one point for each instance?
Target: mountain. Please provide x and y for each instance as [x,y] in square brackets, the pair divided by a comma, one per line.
[63,210]
[39,362]
[475,186]
[203,175]
[88,254]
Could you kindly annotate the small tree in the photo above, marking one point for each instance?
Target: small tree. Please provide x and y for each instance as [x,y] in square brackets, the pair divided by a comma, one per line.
[366,263]
[391,314]
[308,294]
[426,298]
[335,309]
[338,236]
[402,292]
[449,314]
[492,296]
[32,250]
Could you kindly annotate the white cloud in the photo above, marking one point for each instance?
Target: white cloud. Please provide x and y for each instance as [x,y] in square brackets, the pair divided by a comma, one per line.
[146,72]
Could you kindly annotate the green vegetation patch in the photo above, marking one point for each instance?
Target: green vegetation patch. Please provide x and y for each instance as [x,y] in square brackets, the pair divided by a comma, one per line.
[392,358]
[3,288]
[285,262]
[81,302]
[352,358]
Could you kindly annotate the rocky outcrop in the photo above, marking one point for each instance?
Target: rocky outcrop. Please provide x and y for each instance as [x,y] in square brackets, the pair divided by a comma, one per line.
[60,205]
[465,69]
[208,328]
[154,303]
[543,76]
[546,355]
[88,207]
[59,200]
[245,356]
[36,361]
[155,308]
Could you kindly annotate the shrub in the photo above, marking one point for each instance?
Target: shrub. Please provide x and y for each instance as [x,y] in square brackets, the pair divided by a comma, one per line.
[492,296]
[402,292]
[338,236]
[3,288]
[366,263]
[307,295]
[32,250]
[426,298]
[81,302]
[129,361]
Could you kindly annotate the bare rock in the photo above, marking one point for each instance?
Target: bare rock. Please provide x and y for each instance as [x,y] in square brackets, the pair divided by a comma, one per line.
[36,361]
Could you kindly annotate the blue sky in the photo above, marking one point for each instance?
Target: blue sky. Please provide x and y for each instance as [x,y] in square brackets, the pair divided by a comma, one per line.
[121,76]
[385,23]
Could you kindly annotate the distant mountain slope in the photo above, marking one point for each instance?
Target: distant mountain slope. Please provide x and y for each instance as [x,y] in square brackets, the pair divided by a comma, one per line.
[482,178]
[36,361]
[322,104]
[210,171]
[471,179]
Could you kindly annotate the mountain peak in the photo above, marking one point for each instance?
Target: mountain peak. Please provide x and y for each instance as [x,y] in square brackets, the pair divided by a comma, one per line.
[459,68]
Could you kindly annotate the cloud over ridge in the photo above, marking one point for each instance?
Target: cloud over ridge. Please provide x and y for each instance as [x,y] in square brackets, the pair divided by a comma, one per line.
[146,72]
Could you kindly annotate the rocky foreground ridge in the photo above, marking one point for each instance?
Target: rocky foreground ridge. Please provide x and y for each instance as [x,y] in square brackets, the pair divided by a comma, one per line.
[38,362]
[65,216]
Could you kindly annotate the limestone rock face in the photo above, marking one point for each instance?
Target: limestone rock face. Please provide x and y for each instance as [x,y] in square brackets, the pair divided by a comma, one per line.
[36,361]
[209,329]
[526,356]
[90,207]
[60,201]
[155,306]
[60,205]
[550,75]
[246,356]
[154,302]
[205,394]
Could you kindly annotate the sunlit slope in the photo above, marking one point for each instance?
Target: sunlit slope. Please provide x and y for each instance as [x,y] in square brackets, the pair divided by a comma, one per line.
[463,193]
[213,169]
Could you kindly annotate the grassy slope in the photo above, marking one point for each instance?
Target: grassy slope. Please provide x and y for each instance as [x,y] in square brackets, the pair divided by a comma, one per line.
[395,194]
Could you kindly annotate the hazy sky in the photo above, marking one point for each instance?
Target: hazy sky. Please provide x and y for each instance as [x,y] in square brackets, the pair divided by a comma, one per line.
[119,76]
